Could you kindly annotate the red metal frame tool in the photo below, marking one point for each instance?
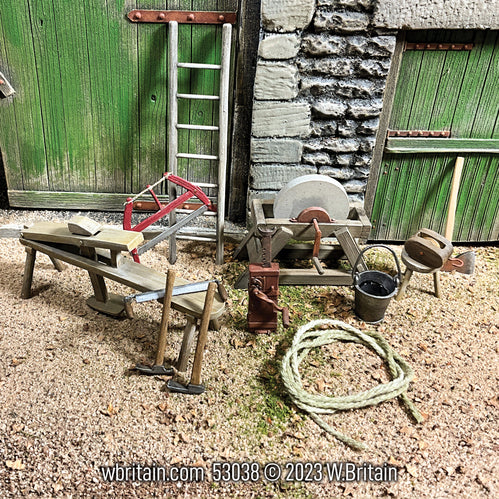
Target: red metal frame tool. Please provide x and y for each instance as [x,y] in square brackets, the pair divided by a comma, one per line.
[163,210]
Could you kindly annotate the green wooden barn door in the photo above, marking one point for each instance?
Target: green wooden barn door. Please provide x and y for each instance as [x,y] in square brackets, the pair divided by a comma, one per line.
[442,90]
[87,124]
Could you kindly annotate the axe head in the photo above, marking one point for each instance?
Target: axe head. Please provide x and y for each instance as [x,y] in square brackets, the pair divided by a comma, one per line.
[463,263]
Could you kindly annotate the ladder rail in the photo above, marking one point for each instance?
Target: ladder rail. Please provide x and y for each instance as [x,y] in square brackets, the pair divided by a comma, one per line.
[222,138]
[172,128]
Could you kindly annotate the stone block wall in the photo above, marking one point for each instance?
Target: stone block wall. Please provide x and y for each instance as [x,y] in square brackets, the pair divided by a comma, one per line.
[318,93]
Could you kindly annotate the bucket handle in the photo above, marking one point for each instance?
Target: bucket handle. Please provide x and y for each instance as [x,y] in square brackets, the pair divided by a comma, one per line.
[354,268]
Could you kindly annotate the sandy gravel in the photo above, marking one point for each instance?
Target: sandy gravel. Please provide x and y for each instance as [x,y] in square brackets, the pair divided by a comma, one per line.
[69,403]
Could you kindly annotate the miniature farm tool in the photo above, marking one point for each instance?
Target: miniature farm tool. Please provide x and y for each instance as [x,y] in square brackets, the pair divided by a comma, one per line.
[100,255]
[425,252]
[312,197]
[167,294]
[163,210]
[263,290]
[465,262]
[158,367]
[194,387]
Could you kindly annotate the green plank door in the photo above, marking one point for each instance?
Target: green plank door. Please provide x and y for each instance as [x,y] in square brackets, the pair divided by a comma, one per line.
[87,125]
[452,91]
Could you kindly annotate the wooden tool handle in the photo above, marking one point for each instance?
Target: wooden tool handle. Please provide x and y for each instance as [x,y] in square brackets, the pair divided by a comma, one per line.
[451,212]
[203,334]
[163,329]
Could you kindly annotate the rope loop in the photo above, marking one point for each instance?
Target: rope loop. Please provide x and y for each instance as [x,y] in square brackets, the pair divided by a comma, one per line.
[313,335]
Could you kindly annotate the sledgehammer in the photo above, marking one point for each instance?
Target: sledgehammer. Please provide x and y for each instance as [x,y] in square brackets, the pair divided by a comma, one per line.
[195,387]
[158,368]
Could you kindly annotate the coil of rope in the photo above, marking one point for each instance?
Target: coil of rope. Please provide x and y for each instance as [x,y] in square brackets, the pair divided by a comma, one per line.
[314,335]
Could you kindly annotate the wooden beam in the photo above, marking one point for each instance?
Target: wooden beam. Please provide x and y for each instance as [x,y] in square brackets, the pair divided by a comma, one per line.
[135,276]
[389,95]
[310,277]
[403,145]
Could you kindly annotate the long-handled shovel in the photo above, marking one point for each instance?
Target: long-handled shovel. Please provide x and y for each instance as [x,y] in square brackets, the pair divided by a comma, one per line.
[465,262]
[158,368]
[195,387]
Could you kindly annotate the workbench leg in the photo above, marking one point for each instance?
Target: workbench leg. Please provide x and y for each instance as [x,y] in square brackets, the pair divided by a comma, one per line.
[185,349]
[405,282]
[215,325]
[241,251]
[436,282]
[350,247]
[29,266]
[99,285]
[98,282]
[58,265]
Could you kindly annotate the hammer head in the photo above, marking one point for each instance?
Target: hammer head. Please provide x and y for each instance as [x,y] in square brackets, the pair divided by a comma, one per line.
[154,370]
[190,389]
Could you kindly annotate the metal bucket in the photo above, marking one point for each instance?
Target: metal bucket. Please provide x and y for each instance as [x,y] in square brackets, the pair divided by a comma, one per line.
[374,289]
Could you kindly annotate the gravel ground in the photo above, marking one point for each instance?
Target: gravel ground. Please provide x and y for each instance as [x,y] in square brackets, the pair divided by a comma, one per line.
[69,402]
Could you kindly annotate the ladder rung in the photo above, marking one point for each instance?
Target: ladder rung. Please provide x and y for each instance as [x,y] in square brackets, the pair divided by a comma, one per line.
[195,65]
[206,185]
[196,156]
[198,96]
[185,126]
[205,214]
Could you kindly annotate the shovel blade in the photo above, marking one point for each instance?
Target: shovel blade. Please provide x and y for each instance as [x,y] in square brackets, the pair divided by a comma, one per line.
[468,263]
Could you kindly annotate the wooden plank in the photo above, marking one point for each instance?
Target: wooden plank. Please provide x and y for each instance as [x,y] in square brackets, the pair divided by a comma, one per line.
[403,145]
[152,92]
[67,200]
[48,71]
[76,84]
[116,240]
[123,44]
[404,96]
[425,93]
[310,277]
[480,59]
[257,215]
[447,98]
[22,140]
[136,276]
[350,247]
[241,252]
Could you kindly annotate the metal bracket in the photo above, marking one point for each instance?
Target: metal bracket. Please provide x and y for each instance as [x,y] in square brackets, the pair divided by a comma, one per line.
[438,46]
[419,133]
[5,87]
[181,16]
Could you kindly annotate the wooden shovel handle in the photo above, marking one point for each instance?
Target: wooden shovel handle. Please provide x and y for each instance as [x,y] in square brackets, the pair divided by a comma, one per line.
[203,334]
[163,328]
[454,189]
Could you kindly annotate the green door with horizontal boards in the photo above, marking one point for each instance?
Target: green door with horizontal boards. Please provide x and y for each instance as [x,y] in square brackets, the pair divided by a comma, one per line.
[88,122]
[446,105]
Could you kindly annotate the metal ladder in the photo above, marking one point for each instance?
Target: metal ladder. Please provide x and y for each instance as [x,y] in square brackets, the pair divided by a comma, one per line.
[222,129]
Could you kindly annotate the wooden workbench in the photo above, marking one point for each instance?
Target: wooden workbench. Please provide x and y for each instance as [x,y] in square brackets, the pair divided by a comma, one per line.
[101,257]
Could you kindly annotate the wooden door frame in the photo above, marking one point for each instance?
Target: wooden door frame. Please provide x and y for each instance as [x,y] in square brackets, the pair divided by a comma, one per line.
[386,112]
[242,108]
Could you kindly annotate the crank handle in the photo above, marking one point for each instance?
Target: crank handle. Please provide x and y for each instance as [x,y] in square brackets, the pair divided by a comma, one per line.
[285,316]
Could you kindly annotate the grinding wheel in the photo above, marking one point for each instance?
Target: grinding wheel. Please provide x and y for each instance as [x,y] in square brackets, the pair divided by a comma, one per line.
[312,190]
